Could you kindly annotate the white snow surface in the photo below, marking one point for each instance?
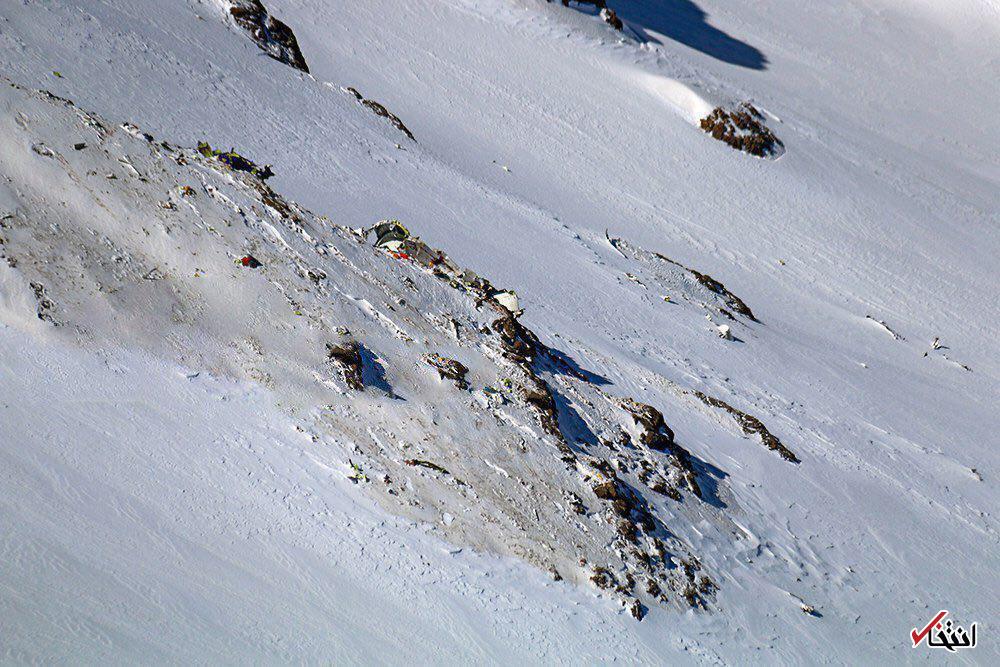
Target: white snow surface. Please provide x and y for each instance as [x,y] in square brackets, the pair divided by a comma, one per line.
[158,517]
[174,466]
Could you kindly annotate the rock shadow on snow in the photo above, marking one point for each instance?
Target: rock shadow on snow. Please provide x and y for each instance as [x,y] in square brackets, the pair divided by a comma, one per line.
[685,22]
[574,429]
[709,478]
[560,362]
[373,373]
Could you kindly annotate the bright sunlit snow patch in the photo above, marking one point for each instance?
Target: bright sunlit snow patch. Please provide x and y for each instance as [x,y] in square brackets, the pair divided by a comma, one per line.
[675,94]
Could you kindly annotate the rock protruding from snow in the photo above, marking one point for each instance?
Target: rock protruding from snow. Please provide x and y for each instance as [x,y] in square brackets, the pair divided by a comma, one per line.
[663,273]
[380,110]
[347,357]
[449,369]
[610,17]
[533,458]
[751,426]
[742,128]
[274,37]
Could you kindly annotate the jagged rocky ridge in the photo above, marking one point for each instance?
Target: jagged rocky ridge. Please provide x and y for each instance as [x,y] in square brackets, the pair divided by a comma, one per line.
[379,110]
[668,278]
[750,426]
[278,40]
[274,37]
[456,412]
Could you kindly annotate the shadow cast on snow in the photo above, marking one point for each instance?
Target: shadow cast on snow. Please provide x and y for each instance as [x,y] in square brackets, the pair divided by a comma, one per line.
[580,437]
[559,362]
[577,433]
[685,22]
[373,373]
[709,477]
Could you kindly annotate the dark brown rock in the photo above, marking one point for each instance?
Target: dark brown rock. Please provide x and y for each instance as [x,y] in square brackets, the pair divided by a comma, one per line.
[519,344]
[347,356]
[742,129]
[380,110]
[606,490]
[449,369]
[275,38]
[751,426]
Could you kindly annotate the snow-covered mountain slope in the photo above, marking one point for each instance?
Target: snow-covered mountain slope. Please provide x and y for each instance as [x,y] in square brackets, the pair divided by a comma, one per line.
[536,128]
[404,360]
[186,520]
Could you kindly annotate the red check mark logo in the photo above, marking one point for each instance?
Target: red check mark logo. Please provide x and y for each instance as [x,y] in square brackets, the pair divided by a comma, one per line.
[918,637]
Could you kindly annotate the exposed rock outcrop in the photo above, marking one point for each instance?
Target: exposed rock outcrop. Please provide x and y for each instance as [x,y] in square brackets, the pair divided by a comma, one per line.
[729,300]
[274,37]
[609,16]
[449,369]
[659,437]
[742,128]
[380,110]
[538,460]
[347,357]
[751,426]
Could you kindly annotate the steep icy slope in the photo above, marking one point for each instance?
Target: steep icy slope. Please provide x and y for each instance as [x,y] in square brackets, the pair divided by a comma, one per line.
[884,205]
